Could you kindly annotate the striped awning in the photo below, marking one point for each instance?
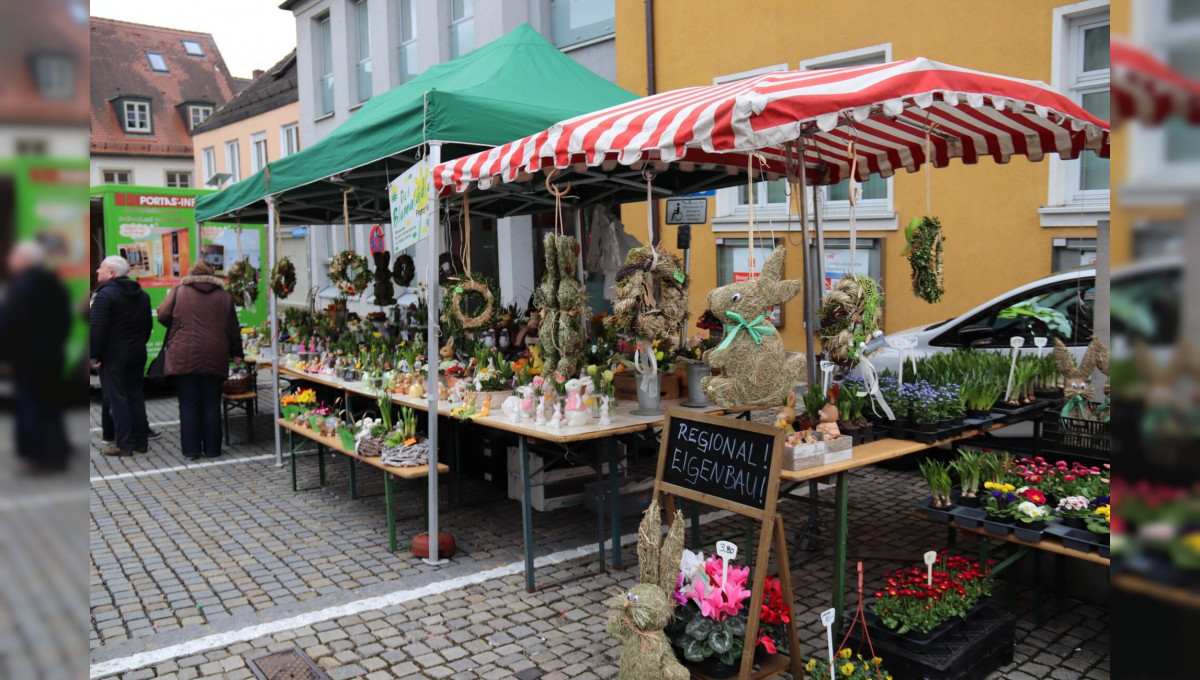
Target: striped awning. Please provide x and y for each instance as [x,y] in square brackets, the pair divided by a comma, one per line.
[892,112]
[1147,90]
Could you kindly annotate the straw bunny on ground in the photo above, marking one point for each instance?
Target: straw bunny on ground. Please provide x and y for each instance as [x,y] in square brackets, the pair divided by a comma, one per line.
[641,613]
[755,366]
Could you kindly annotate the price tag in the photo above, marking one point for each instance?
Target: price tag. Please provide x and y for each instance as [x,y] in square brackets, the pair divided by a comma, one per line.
[826,374]
[930,558]
[679,276]
[827,618]
[1016,343]
[410,441]
[726,551]
[458,289]
[1039,342]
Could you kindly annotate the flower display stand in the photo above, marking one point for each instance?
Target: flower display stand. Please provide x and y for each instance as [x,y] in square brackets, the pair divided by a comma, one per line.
[970,650]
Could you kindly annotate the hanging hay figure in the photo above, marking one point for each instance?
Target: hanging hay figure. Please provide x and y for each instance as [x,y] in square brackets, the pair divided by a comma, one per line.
[243,283]
[639,311]
[560,299]
[283,277]
[849,315]
[1078,391]
[755,366]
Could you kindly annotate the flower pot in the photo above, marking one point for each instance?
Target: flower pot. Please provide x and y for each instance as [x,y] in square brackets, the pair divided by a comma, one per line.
[969,501]
[975,414]
[927,427]
[696,396]
[1030,532]
[934,513]
[967,517]
[998,526]
[714,668]
[648,400]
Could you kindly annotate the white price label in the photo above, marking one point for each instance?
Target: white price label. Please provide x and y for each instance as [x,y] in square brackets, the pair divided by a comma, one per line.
[1039,342]
[827,617]
[726,550]
[930,557]
[1016,342]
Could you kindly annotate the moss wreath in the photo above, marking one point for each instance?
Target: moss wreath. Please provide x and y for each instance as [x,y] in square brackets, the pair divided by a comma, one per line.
[342,267]
[403,270]
[283,277]
[243,283]
[924,251]
[849,315]
[462,288]
[636,311]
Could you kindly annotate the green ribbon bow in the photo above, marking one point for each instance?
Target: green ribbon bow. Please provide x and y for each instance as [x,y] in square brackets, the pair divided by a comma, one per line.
[753,328]
[1075,403]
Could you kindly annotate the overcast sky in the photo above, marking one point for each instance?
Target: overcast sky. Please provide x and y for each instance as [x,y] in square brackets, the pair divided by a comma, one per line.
[250,33]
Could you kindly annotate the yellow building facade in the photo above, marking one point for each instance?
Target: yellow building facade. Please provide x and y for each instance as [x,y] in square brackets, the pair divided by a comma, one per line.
[1005,225]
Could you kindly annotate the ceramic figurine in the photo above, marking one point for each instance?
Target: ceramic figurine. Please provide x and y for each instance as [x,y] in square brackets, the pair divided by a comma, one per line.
[540,418]
[605,410]
[527,403]
[828,426]
[416,390]
[512,408]
[576,411]
[556,420]
[503,343]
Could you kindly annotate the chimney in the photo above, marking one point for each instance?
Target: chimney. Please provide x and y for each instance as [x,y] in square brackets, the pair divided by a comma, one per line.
[257,72]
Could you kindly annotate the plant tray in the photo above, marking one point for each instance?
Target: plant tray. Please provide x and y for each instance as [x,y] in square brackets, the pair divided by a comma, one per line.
[942,515]
[1022,532]
[968,517]
[1080,540]
[969,651]
[996,527]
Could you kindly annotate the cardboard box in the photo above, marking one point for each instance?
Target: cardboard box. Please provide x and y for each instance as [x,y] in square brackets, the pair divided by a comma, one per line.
[625,386]
[553,488]
[815,455]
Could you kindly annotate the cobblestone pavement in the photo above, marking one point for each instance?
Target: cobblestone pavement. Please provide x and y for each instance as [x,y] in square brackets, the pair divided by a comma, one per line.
[196,569]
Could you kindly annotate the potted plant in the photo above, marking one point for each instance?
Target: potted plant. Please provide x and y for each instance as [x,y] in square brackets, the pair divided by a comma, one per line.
[848,666]
[969,469]
[980,392]
[898,400]
[999,507]
[1098,521]
[1029,514]
[937,476]
[926,406]
[814,401]
[692,357]
[1074,511]
[709,628]
[918,606]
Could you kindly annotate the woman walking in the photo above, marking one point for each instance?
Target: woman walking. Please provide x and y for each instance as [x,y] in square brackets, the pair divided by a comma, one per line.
[203,334]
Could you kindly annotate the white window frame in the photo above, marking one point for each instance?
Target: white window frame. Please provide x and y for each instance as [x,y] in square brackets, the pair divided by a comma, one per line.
[187,174]
[363,60]
[188,50]
[465,18]
[208,163]
[321,24]
[105,171]
[201,110]
[232,161]
[1066,205]
[289,139]
[55,76]
[258,142]
[406,20]
[139,106]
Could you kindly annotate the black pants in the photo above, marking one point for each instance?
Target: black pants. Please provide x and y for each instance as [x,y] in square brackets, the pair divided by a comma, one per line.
[121,388]
[200,414]
[41,432]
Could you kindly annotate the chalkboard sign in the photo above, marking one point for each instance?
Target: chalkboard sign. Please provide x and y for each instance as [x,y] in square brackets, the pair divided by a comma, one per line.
[709,457]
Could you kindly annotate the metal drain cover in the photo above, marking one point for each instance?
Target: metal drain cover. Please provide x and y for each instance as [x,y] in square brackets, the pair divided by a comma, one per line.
[290,664]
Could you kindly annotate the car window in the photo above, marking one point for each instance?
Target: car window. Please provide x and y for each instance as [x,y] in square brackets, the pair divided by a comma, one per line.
[1063,310]
[1146,306]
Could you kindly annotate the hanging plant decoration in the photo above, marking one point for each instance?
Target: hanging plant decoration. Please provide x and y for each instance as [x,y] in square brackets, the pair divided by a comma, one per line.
[849,315]
[475,289]
[349,272]
[403,270]
[243,283]
[283,277]
[637,311]
[924,251]
[559,296]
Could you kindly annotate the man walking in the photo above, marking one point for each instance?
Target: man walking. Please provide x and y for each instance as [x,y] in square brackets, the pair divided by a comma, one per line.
[120,327]
[34,322]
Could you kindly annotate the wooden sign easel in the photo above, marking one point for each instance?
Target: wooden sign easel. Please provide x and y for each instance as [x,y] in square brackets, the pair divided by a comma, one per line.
[733,465]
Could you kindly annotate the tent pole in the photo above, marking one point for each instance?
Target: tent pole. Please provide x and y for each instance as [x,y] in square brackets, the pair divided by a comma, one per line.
[431,360]
[276,355]
[818,281]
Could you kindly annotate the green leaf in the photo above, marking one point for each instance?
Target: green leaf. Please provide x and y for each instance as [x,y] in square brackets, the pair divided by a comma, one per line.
[720,640]
[699,628]
[694,650]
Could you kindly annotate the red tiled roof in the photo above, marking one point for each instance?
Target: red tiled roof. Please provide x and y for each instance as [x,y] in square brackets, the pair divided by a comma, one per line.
[120,68]
[42,29]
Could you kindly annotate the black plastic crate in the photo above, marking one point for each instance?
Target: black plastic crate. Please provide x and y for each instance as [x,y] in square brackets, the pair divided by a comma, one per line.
[1075,436]
[969,651]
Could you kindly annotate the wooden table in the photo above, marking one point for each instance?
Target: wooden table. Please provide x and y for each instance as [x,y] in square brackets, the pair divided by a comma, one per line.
[1140,585]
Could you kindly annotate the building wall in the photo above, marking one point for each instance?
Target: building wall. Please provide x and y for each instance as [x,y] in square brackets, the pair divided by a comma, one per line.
[147,171]
[994,234]
[270,122]
[61,141]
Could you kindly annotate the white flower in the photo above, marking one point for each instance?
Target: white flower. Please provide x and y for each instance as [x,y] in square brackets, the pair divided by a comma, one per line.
[1030,509]
[1073,503]
[691,566]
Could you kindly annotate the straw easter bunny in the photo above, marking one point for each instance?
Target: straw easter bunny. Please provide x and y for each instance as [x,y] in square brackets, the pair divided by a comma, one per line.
[1078,390]
[640,614]
[755,366]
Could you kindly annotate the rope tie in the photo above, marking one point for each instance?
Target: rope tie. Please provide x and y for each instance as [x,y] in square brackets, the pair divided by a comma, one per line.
[466,220]
[855,190]
[650,225]
[346,215]
[928,163]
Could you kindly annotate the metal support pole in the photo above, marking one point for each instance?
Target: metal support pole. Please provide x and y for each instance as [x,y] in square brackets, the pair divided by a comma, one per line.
[816,285]
[840,529]
[431,363]
[526,512]
[614,503]
[276,355]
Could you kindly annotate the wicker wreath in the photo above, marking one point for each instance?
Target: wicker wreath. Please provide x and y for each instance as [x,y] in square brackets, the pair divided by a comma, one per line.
[243,283]
[849,314]
[403,270]
[636,311]
[283,277]
[350,272]
[463,288]
[924,251]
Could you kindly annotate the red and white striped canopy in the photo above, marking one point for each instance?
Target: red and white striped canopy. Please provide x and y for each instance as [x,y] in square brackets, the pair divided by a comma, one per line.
[1146,89]
[885,108]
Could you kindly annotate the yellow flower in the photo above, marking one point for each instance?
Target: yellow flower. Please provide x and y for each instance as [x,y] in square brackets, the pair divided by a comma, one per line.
[847,668]
[876,660]
[845,653]
[608,376]
[1192,541]
[812,663]
[1102,511]
[989,485]
[378,334]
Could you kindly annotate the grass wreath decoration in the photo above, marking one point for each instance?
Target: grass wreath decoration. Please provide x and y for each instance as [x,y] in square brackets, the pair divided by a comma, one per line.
[349,272]
[463,289]
[924,251]
[637,311]
[243,283]
[849,315]
[283,277]
[403,270]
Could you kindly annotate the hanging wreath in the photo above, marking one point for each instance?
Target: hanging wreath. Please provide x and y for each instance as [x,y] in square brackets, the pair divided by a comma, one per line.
[349,272]
[849,315]
[403,270]
[243,283]
[637,311]
[924,251]
[476,290]
[283,277]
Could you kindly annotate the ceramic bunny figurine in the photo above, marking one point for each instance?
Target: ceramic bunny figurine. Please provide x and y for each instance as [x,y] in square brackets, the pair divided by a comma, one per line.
[512,408]
[576,410]
[755,366]
[787,413]
[640,614]
[527,404]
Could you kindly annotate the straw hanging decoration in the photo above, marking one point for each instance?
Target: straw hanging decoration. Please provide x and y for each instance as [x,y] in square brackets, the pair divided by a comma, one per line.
[559,295]
[243,277]
[468,286]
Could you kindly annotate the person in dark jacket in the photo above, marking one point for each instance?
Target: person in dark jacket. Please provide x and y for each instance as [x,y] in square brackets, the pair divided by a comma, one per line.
[120,327]
[204,335]
[34,322]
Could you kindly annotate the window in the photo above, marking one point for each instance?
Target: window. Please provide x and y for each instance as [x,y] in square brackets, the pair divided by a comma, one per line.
[408,40]
[733,263]
[193,48]
[324,62]
[868,259]
[462,27]
[232,166]
[179,179]
[1072,253]
[1059,310]
[363,23]
[578,21]
[136,115]
[197,113]
[1146,305]
[1089,87]
[31,147]
[1157,238]
[157,63]
[55,76]
[258,151]
[289,140]
[117,176]
[208,163]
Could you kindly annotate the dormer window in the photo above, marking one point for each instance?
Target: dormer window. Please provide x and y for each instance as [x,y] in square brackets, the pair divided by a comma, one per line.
[135,115]
[197,113]
[193,48]
[157,63]
[54,75]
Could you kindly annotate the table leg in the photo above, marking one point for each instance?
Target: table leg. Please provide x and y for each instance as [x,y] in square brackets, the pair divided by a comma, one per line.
[321,462]
[292,456]
[1037,587]
[391,517]
[353,478]
[600,507]
[839,549]
[1060,581]
[526,514]
[614,475]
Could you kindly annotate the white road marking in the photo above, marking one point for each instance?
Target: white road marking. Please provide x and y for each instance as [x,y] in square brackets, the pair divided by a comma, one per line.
[163,423]
[179,468]
[222,640]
